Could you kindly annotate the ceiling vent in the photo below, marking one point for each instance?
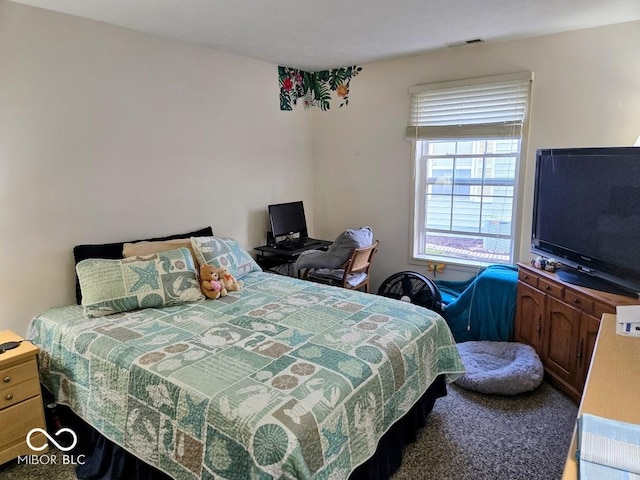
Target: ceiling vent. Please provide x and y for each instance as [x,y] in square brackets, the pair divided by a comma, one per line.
[465,42]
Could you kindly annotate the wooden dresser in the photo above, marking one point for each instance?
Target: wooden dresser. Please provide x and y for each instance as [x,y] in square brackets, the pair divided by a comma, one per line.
[20,399]
[560,321]
[613,384]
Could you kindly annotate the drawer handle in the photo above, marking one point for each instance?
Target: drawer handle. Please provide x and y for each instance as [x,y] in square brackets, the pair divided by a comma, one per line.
[9,396]
[526,277]
[539,327]
[547,288]
[580,351]
[6,379]
[576,300]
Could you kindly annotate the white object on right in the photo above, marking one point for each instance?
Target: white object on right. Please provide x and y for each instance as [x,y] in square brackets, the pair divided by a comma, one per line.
[628,320]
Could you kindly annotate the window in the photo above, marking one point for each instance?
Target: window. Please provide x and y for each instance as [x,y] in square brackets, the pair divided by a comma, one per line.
[468,137]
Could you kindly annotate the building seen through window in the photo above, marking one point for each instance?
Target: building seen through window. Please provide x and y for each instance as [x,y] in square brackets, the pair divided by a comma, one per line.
[465,198]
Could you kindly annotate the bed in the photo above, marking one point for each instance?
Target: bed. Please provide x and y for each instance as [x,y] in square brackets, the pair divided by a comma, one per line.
[284,379]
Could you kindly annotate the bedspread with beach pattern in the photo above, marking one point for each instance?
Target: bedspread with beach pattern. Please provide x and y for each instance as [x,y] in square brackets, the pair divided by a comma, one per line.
[284,379]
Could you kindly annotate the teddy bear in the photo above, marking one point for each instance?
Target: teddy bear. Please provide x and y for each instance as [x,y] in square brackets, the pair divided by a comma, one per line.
[228,280]
[210,283]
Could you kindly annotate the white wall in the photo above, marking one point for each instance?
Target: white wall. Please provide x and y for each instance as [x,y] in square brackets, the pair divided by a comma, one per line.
[586,93]
[109,135]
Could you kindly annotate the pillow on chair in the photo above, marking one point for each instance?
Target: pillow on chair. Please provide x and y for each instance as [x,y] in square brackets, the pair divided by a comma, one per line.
[338,252]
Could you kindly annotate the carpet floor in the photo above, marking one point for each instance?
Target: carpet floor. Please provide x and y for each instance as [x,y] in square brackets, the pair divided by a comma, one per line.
[472,436]
[469,436]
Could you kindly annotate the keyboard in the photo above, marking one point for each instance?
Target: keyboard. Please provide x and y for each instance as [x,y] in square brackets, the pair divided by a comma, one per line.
[296,244]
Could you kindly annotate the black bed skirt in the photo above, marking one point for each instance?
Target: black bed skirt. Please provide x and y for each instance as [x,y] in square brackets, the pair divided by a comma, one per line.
[104,460]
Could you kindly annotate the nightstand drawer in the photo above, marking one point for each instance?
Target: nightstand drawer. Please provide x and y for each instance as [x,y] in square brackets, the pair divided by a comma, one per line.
[18,393]
[18,374]
[16,421]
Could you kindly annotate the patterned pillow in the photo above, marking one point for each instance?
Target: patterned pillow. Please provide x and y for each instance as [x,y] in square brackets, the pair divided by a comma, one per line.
[114,250]
[157,280]
[224,252]
[139,249]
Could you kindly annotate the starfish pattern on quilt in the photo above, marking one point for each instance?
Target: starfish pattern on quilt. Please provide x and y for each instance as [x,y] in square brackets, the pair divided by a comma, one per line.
[146,276]
[336,439]
[195,412]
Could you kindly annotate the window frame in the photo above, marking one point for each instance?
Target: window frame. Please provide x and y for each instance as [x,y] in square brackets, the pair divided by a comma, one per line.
[419,189]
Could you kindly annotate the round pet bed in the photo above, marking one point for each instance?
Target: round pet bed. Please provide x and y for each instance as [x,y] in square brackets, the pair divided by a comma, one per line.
[504,368]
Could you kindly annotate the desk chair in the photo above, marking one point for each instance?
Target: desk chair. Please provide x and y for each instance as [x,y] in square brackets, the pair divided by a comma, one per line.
[354,274]
[338,253]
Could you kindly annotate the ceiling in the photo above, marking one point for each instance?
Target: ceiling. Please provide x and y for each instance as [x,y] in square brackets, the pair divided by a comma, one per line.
[329,33]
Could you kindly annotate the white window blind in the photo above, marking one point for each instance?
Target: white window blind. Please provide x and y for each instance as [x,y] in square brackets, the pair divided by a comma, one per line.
[488,107]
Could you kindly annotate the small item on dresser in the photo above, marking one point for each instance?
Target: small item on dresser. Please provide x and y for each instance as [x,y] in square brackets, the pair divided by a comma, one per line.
[543,263]
[9,346]
[539,262]
[628,320]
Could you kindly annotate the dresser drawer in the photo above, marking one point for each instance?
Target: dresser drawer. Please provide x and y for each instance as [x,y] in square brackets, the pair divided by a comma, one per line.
[528,278]
[18,374]
[19,392]
[16,421]
[550,288]
[600,308]
[580,301]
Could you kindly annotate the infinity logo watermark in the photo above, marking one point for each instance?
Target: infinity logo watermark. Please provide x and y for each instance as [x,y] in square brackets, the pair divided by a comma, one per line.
[51,439]
[51,459]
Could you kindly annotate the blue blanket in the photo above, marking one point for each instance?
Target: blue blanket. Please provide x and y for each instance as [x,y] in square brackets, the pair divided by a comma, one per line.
[483,307]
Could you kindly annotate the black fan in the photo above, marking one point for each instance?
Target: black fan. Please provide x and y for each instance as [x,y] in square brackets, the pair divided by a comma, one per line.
[413,287]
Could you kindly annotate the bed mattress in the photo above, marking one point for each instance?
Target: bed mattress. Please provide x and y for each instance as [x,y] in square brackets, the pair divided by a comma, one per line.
[286,378]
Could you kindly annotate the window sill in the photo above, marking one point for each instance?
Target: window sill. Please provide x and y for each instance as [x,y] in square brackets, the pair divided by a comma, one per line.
[455,264]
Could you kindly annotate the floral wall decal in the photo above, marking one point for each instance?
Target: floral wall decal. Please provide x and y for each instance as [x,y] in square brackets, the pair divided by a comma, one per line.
[314,89]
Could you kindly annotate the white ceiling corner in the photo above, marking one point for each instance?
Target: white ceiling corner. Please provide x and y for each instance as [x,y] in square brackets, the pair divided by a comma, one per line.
[314,35]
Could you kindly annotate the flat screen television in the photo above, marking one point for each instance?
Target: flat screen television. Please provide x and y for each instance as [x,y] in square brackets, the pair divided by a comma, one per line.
[287,219]
[586,215]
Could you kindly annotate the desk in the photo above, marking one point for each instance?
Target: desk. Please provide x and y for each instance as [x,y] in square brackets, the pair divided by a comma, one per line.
[270,257]
[613,384]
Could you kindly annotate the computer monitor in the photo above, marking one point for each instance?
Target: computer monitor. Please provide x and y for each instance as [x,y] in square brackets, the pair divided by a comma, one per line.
[288,219]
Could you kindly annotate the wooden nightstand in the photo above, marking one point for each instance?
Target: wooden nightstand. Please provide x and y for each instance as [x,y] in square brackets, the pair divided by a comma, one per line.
[20,399]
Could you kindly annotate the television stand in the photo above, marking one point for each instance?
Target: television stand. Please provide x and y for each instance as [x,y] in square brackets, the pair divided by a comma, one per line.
[560,321]
[577,277]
